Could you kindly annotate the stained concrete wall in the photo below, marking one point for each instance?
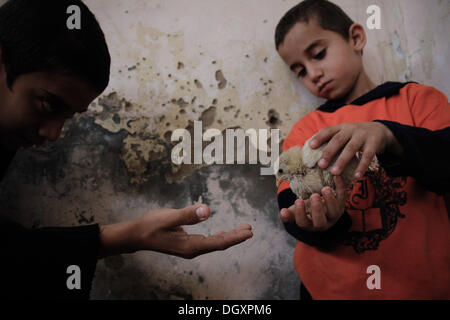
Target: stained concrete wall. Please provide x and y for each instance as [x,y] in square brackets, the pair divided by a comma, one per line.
[174,62]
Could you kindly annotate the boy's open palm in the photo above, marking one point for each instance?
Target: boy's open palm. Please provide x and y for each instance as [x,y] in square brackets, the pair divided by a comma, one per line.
[161,230]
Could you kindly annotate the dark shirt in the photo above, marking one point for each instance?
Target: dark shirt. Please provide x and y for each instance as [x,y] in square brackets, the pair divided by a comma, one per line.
[35,262]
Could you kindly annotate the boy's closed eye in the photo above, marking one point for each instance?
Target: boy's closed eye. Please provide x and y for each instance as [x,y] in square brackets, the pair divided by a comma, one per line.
[319,56]
[302,73]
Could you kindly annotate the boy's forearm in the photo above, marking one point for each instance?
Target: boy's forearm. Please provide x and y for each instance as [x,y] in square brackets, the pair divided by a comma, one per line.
[423,155]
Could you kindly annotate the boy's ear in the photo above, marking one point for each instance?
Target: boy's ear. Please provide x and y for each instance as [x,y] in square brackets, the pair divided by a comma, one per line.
[357,37]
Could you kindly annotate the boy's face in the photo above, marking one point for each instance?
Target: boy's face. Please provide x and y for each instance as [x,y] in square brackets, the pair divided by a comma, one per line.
[35,108]
[326,63]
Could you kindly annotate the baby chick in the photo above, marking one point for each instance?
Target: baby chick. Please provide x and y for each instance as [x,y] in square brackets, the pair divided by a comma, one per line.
[299,166]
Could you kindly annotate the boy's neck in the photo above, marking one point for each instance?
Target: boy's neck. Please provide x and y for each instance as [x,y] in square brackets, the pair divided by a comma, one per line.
[363,84]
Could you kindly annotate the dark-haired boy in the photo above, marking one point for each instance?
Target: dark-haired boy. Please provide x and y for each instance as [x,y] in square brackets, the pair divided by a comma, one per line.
[391,221]
[47,73]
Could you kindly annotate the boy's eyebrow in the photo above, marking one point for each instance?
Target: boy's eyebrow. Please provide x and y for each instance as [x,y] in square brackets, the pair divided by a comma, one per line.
[311,46]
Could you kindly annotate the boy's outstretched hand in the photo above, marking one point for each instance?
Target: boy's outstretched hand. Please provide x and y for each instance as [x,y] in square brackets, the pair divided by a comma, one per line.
[369,137]
[161,230]
[323,214]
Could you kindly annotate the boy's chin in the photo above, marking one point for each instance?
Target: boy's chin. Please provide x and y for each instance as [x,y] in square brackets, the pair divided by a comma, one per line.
[333,95]
[329,96]
[14,143]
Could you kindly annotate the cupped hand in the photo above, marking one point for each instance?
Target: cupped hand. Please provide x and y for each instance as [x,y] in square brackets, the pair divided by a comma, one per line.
[323,212]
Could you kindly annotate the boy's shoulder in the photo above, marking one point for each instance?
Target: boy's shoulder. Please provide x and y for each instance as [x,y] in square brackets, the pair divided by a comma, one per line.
[307,125]
[413,94]
[387,90]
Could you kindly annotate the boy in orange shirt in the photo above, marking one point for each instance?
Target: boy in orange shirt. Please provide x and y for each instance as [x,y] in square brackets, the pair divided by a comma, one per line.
[392,220]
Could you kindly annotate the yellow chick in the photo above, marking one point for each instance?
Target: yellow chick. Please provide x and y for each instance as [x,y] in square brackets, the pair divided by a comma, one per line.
[299,166]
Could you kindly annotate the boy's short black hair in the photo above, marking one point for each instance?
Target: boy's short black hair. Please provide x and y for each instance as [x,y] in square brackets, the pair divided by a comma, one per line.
[34,37]
[328,15]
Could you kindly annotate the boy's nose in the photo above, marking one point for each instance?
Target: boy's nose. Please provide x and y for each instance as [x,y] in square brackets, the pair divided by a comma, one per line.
[51,130]
[315,74]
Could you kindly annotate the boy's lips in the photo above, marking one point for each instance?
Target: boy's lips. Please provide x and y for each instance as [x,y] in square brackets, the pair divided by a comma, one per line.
[324,86]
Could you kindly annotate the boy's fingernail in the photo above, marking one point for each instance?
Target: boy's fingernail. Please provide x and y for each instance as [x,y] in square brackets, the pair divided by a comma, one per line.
[322,162]
[335,170]
[358,175]
[201,213]
[313,143]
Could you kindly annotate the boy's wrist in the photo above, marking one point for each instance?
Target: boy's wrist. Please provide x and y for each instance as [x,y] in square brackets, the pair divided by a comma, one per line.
[392,145]
[118,238]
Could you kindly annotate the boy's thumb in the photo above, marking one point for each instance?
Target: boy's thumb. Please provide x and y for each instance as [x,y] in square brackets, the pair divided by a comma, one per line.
[192,214]
[202,212]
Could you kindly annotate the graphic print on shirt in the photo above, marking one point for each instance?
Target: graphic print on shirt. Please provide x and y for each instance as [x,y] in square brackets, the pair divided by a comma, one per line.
[373,203]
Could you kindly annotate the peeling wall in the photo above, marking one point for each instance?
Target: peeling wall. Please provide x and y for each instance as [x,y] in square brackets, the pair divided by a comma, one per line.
[180,61]
[175,62]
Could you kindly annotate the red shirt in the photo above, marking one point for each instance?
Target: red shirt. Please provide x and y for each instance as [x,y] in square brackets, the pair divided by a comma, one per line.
[397,225]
